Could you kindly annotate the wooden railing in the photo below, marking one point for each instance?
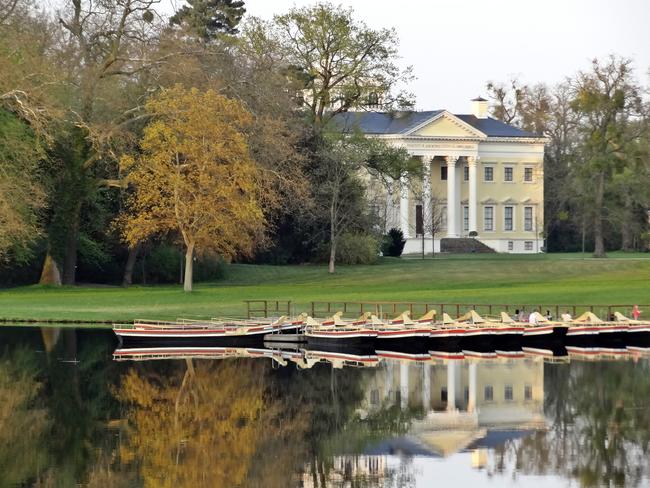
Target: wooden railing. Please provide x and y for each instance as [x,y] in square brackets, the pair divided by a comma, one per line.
[390,309]
[384,310]
[266,308]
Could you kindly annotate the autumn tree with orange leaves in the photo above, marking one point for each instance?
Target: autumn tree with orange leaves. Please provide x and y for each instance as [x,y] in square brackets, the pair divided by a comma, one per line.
[195,177]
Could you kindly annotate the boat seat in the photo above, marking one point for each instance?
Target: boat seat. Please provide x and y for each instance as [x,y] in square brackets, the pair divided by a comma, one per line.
[430,315]
[588,318]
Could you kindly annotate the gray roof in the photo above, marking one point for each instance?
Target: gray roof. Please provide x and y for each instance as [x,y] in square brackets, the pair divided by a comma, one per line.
[402,122]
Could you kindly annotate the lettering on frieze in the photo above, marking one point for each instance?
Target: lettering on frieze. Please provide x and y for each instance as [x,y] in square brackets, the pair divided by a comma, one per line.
[441,146]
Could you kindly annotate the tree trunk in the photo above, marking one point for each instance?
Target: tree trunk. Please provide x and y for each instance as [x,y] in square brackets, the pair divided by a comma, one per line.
[332,262]
[71,244]
[423,245]
[331,267]
[599,240]
[189,260]
[127,278]
[627,236]
[50,274]
[433,244]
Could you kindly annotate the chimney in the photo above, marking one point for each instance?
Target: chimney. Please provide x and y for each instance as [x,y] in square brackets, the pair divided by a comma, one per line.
[480,108]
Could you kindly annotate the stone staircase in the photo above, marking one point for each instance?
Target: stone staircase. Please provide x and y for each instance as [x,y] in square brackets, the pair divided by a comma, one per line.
[463,245]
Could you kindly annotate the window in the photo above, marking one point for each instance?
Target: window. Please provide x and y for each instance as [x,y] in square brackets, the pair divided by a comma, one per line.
[443,218]
[528,245]
[528,219]
[507,218]
[507,173]
[443,173]
[466,218]
[507,393]
[528,174]
[374,397]
[488,218]
[488,393]
[373,99]
[419,221]
[528,392]
[489,173]
[443,394]
[511,245]
[465,173]
[466,394]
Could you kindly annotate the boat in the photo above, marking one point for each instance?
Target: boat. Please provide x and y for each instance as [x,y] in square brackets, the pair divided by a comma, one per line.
[507,336]
[543,334]
[184,331]
[336,332]
[638,333]
[446,336]
[477,340]
[589,333]
[401,332]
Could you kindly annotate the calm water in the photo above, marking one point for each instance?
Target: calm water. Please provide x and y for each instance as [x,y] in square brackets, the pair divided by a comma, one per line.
[71,415]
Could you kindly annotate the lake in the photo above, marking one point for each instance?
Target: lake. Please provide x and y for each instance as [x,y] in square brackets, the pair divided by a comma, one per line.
[73,414]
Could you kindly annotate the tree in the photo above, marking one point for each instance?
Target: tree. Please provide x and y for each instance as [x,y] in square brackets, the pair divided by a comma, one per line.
[195,177]
[338,61]
[21,194]
[209,18]
[607,100]
[345,162]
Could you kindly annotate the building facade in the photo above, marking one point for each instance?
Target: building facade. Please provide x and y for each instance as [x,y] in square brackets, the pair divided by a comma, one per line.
[482,178]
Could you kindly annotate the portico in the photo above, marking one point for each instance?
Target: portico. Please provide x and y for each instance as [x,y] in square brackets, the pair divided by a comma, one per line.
[480,178]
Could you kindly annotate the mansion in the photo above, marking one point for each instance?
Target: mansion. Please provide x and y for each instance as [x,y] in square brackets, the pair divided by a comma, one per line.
[482,178]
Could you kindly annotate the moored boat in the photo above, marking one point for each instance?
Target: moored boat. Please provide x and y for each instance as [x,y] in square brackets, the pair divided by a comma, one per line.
[401,332]
[638,332]
[477,340]
[445,337]
[235,332]
[541,333]
[336,332]
[589,333]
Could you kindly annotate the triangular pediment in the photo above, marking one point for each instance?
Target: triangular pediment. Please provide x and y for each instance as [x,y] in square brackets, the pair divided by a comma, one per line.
[509,201]
[446,124]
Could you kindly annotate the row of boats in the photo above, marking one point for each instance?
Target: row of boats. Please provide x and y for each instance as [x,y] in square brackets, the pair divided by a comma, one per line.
[305,357]
[470,332]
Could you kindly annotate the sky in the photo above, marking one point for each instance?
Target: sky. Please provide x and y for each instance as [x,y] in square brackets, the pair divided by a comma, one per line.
[457,46]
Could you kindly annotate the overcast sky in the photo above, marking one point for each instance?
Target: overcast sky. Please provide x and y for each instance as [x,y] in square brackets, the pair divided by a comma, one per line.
[455,46]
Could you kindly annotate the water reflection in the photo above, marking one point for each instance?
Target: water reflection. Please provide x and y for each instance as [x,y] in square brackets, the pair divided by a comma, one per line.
[71,415]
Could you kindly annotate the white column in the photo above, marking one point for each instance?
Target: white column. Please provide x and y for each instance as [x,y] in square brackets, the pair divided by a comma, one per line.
[451,386]
[404,206]
[388,385]
[471,402]
[426,387]
[473,194]
[452,197]
[426,194]
[404,385]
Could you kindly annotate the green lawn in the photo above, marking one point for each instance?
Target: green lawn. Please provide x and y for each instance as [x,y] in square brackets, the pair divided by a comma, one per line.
[546,279]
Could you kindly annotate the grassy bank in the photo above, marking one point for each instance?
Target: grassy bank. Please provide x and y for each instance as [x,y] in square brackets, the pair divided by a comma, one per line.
[555,278]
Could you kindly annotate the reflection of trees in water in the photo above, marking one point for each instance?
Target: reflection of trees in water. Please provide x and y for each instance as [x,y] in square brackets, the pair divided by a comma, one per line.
[205,423]
[599,433]
[23,420]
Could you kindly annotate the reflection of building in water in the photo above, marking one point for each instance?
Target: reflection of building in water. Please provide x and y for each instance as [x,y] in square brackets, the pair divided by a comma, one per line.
[352,468]
[457,406]
[464,403]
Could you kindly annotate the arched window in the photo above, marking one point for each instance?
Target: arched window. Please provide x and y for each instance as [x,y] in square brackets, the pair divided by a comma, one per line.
[373,99]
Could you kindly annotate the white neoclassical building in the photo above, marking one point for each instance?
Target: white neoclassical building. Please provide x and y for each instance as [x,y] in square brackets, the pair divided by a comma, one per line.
[482,178]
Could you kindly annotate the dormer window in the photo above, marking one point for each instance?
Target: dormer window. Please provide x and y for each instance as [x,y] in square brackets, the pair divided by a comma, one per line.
[373,99]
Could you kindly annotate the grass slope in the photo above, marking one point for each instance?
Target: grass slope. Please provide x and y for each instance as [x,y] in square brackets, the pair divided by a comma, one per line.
[547,279]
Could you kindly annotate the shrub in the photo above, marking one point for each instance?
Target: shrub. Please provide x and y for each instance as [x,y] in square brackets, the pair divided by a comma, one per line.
[357,248]
[393,243]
